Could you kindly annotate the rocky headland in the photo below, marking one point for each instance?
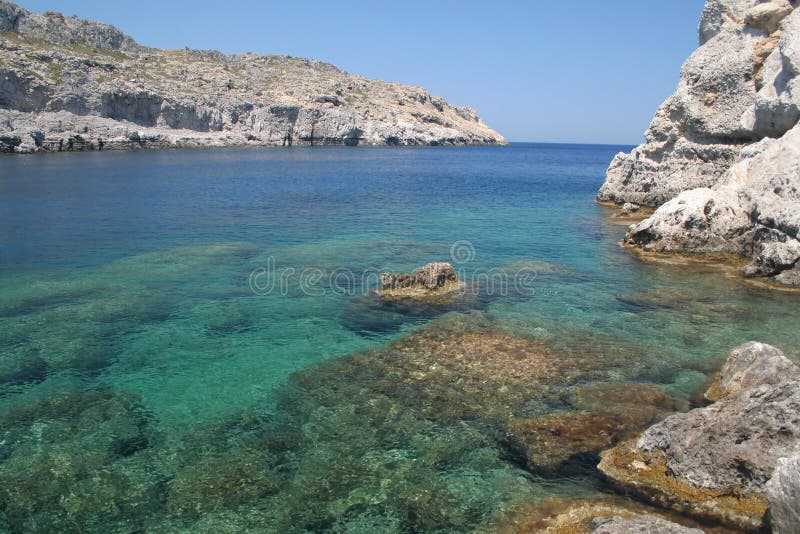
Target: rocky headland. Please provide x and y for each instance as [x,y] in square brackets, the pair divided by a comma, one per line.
[721,159]
[72,84]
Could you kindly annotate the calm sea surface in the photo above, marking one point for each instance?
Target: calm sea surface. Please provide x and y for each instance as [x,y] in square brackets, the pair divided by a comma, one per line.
[188,340]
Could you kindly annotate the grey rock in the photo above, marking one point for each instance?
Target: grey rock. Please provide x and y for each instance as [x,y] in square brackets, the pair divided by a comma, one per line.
[714,462]
[751,365]
[777,105]
[72,84]
[642,524]
[697,221]
[774,258]
[783,492]
[734,443]
[697,133]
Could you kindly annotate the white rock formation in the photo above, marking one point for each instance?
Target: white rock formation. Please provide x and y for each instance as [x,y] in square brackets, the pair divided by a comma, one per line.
[722,155]
[71,84]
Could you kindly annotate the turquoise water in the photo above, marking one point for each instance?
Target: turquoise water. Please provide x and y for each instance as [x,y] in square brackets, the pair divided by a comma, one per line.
[188,341]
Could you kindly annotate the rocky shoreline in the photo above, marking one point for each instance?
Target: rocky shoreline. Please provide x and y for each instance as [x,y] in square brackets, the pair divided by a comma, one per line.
[68,84]
[721,160]
[717,462]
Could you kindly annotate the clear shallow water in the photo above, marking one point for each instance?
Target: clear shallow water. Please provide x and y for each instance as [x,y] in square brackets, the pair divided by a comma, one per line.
[149,385]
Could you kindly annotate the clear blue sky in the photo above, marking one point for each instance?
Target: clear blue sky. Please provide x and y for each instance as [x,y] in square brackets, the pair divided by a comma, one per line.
[538,70]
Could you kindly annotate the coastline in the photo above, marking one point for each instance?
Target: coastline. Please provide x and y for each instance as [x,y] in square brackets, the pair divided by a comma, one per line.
[719,160]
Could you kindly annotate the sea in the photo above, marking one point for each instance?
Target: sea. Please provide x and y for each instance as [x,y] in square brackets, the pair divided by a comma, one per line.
[191,341]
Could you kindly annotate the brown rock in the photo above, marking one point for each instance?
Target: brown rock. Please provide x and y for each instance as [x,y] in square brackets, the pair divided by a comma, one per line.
[435,276]
[575,516]
[610,412]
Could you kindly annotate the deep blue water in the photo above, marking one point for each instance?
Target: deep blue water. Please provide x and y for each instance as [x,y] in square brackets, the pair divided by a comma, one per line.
[126,294]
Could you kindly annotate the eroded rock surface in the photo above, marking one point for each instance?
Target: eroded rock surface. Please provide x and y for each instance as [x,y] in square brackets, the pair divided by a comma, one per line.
[430,278]
[72,84]
[722,155]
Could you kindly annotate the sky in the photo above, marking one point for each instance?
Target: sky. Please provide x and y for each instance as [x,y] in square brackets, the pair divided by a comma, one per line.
[578,71]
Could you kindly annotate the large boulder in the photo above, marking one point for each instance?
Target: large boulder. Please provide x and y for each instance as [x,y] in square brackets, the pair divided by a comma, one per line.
[697,133]
[715,462]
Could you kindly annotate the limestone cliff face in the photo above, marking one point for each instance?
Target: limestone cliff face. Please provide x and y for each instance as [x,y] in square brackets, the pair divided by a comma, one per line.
[71,84]
[722,155]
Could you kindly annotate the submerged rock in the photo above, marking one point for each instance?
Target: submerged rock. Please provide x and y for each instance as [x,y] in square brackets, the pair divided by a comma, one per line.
[373,314]
[642,524]
[77,458]
[714,462]
[588,514]
[607,413]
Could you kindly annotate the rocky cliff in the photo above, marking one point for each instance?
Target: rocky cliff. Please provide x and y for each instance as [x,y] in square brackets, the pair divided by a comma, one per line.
[72,84]
[721,158]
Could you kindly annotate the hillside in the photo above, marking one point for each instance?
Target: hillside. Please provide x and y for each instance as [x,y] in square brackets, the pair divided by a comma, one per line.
[72,84]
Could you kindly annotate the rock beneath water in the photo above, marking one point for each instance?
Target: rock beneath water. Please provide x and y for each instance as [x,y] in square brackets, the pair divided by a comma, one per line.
[435,277]
[78,458]
[751,365]
[371,313]
[642,524]
[548,443]
[536,267]
[722,154]
[583,515]
[607,413]
[714,462]
[462,367]
[783,493]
